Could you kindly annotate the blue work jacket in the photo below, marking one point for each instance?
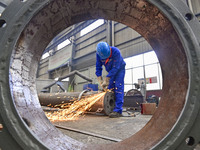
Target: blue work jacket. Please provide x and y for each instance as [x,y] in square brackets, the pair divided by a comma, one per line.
[114,64]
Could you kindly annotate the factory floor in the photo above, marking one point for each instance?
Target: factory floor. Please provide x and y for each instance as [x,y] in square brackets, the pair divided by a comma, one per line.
[102,128]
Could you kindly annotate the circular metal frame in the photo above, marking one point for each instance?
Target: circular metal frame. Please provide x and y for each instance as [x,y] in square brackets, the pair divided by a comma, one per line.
[168,25]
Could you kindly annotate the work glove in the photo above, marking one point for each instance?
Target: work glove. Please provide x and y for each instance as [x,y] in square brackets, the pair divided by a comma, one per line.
[100,80]
[105,83]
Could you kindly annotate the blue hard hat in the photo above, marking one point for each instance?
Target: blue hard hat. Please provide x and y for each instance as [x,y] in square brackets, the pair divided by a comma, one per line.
[103,50]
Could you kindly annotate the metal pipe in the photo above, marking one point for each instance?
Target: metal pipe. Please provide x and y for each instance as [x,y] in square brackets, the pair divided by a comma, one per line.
[60,98]
[105,105]
[113,32]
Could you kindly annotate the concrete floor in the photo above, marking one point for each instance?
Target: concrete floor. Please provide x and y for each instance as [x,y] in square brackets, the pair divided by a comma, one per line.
[119,128]
[197,147]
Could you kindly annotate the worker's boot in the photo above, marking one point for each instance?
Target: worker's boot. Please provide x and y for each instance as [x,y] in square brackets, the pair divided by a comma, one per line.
[115,115]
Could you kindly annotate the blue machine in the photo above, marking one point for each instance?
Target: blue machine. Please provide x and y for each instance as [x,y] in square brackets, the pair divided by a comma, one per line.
[92,87]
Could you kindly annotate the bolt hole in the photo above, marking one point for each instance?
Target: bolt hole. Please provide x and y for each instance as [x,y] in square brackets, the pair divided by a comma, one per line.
[190,141]
[2,23]
[23,0]
[27,122]
[189,16]
[111,102]
[1,127]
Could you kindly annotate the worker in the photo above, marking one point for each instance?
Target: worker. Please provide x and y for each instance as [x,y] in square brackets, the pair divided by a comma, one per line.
[114,64]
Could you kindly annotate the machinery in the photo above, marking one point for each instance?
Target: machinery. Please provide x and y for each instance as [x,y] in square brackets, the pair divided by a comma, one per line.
[133,99]
[27,27]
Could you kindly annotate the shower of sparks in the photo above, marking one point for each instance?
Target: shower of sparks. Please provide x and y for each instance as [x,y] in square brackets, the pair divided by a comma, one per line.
[74,110]
[1,126]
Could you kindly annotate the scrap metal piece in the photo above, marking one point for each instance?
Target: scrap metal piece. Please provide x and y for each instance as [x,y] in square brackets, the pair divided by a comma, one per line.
[168,25]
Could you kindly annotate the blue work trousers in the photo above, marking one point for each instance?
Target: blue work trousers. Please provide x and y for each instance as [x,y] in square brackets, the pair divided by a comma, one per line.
[117,84]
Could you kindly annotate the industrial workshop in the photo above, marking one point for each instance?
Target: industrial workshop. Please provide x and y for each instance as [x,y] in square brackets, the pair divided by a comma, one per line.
[99,74]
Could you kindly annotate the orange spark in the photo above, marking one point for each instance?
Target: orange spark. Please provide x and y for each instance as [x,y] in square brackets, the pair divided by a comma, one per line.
[74,110]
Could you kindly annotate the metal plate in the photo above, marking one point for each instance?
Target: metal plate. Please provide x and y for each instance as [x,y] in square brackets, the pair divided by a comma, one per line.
[133,101]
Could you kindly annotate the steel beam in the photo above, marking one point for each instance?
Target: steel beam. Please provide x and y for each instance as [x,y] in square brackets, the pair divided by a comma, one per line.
[168,25]
[68,35]
[3,5]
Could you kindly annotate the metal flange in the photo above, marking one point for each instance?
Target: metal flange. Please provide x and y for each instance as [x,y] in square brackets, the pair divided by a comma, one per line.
[105,105]
[26,28]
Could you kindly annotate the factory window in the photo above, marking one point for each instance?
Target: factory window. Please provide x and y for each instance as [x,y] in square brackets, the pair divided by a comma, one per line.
[143,66]
[45,55]
[63,44]
[92,26]
[138,61]
[153,71]
[150,58]
[66,79]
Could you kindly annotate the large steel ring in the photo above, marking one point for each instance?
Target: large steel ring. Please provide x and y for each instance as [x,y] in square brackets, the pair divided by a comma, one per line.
[27,27]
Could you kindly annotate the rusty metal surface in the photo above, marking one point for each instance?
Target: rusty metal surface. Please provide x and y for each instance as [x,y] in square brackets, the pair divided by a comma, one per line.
[31,25]
[105,105]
